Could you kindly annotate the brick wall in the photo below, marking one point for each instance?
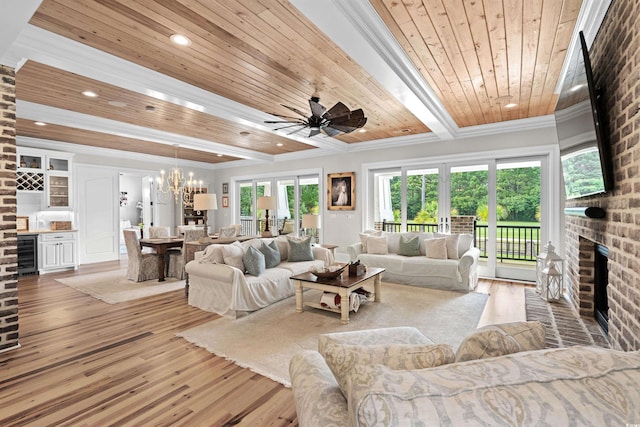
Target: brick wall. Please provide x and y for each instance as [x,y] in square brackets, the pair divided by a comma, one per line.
[8,239]
[615,58]
[462,224]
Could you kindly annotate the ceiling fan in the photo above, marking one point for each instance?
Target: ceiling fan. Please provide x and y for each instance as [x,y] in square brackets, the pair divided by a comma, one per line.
[334,121]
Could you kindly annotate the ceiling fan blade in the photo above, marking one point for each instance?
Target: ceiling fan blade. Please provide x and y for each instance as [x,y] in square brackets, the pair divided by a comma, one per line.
[316,109]
[290,126]
[297,130]
[336,111]
[314,132]
[295,110]
[285,117]
[284,121]
[329,131]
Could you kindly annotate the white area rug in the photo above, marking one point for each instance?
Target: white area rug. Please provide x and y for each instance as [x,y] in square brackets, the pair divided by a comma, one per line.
[113,286]
[266,340]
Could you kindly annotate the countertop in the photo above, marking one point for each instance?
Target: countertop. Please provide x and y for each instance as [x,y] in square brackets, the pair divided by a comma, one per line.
[21,233]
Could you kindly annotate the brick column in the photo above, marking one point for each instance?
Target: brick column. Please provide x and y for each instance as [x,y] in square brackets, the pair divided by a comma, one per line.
[8,235]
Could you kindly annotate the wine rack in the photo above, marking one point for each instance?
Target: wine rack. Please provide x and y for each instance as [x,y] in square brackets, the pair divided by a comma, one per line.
[30,181]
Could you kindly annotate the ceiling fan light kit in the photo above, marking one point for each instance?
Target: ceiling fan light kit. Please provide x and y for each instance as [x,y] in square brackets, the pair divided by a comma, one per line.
[332,122]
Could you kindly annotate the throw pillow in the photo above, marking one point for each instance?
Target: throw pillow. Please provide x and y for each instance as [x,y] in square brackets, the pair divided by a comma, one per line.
[452,246]
[271,254]
[486,343]
[364,235]
[377,245]
[226,232]
[436,248]
[212,255]
[300,249]
[528,335]
[342,358]
[232,255]
[409,246]
[253,261]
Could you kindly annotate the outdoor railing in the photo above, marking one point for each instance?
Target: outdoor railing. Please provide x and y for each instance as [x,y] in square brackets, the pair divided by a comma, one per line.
[513,243]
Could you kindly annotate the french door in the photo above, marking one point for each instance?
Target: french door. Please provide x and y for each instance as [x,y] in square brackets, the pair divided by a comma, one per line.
[504,196]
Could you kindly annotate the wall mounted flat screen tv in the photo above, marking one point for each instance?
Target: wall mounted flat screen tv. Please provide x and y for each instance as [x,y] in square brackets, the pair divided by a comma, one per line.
[582,134]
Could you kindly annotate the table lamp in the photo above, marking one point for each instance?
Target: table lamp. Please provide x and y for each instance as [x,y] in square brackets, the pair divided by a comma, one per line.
[311,221]
[205,202]
[266,203]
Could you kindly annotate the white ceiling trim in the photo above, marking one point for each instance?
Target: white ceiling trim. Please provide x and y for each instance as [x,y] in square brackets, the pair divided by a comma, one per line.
[58,116]
[12,23]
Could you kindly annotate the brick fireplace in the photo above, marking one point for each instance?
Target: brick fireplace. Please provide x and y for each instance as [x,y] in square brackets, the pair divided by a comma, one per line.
[614,56]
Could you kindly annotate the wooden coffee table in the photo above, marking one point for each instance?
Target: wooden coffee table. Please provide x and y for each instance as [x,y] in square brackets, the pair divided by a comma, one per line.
[342,286]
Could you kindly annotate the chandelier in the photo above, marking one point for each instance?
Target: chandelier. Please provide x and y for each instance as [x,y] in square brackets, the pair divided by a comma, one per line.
[175,183]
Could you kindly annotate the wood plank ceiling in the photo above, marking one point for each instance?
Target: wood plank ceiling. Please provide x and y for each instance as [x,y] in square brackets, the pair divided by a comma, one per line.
[477,56]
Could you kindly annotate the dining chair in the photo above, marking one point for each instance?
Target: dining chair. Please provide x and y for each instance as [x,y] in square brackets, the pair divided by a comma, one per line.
[176,258]
[156,232]
[140,266]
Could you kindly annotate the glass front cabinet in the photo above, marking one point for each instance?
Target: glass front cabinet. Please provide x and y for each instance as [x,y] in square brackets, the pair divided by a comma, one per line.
[48,173]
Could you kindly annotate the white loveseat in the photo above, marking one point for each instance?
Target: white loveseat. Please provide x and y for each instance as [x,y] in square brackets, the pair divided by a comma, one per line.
[457,271]
[216,285]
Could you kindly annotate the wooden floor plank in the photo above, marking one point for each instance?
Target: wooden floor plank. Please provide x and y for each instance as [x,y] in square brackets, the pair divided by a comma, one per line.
[85,362]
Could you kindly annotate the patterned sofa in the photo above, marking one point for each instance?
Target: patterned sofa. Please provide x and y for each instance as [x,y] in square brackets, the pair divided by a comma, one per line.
[497,377]
[436,260]
[223,280]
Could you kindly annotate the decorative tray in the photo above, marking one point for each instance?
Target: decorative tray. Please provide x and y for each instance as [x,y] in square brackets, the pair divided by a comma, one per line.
[328,273]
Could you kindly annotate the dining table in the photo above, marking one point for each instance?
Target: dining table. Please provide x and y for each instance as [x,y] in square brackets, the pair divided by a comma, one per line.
[161,247]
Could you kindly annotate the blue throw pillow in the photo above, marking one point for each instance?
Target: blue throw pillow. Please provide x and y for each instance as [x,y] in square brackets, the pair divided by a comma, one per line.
[253,261]
[300,250]
[271,254]
[409,246]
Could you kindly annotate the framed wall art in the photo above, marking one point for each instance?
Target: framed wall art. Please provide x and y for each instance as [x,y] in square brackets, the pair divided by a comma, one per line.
[225,201]
[225,188]
[341,191]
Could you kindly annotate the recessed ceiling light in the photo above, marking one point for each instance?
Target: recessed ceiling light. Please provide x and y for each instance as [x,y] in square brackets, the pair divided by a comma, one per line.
[119,104]
[90,94]
[510,105]
[362,130]
[39,123]
[244,133]
[150,108]
[180,40]
[279,144]
[219,155]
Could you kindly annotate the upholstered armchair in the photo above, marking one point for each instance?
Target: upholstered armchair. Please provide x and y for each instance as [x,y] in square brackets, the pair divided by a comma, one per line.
[176,257]
[140,266]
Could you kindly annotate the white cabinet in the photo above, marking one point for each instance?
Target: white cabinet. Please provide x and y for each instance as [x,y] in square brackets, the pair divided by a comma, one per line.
[57,251]
[47,173]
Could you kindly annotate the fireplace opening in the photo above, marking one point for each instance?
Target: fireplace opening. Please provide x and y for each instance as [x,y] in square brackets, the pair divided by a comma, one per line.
[601,281]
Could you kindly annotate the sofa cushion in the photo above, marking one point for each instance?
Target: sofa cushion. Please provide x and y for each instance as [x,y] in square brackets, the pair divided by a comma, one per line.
[253,261]
[465,242]
[528,335]
[409,246]
[300,249]
[377,245]
[271,254]
[232,255]
[283,247]
[545,387]
[436,248]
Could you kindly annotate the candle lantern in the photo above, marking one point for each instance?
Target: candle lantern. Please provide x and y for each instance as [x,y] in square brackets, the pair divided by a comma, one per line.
[541,262]
[552,276]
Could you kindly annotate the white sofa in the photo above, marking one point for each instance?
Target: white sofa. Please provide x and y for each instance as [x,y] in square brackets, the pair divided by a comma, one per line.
[394,377]
[227,290]
[458,272]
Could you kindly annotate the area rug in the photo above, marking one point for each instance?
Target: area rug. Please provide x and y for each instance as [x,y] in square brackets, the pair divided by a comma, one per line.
[113,286]
[266,340]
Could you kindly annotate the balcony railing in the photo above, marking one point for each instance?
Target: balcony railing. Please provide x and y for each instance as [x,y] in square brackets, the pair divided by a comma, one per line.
[513,243]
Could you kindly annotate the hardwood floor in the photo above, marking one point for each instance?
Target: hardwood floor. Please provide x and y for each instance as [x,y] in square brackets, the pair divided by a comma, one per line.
[85,362]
